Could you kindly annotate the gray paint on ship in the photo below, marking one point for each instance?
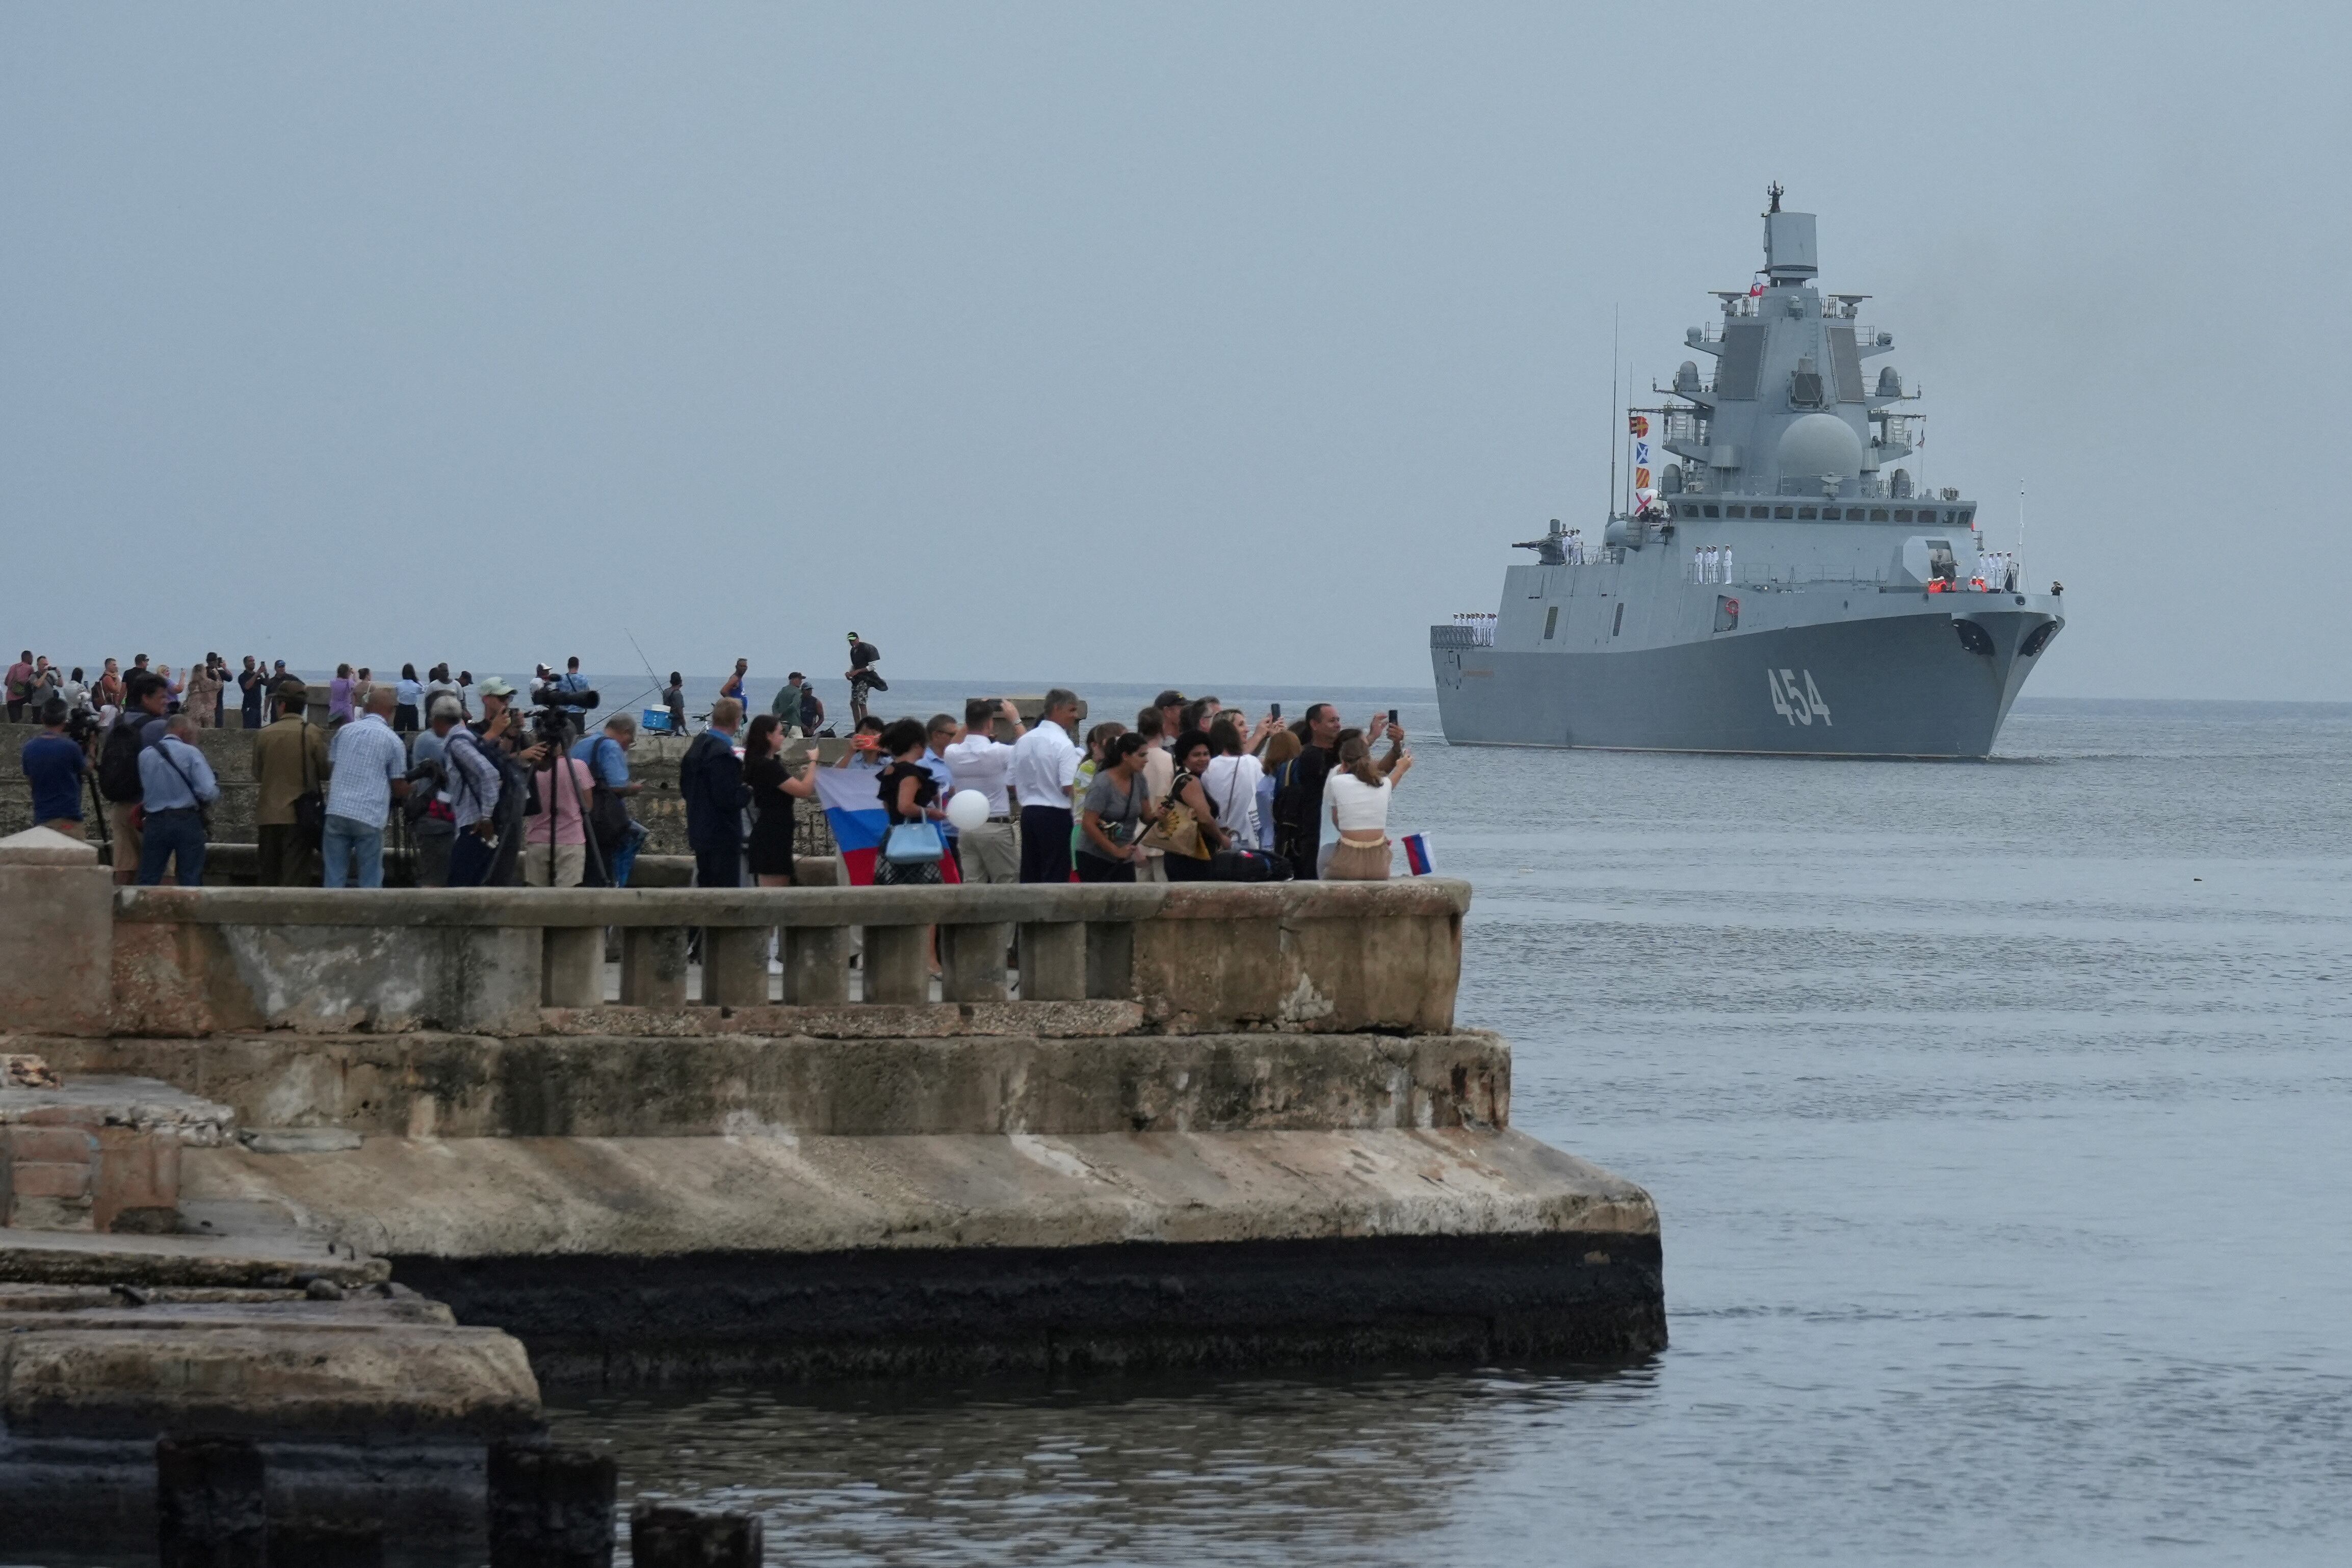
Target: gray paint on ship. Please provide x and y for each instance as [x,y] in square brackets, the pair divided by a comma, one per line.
[1636,648]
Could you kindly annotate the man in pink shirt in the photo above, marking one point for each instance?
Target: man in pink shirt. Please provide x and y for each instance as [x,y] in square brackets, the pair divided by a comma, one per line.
[562,790]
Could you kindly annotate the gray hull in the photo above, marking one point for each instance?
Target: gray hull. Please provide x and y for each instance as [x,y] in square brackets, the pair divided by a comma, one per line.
[1901,682]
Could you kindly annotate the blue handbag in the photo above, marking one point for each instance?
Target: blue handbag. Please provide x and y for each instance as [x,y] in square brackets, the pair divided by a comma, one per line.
[913,842]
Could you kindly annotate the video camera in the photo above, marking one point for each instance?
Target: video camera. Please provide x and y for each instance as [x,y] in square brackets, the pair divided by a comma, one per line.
[557,715]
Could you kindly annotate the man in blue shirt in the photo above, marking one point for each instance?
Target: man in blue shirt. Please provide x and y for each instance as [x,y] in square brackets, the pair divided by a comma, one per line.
[572,680]
[367,767]
[942,733]
[176,784]
[607,756]
[54,763]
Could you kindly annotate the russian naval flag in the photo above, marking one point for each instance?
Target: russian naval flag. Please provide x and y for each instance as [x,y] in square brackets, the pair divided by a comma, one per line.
[853,809]
[1416,853]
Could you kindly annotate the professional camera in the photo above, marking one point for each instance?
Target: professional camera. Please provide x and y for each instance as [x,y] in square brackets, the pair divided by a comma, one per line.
[558,716]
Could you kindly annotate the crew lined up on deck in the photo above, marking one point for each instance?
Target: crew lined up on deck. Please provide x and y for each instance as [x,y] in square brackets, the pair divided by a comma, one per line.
[1190,792]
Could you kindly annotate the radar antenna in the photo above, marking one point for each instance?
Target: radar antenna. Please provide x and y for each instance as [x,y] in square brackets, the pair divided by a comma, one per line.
[1776,193]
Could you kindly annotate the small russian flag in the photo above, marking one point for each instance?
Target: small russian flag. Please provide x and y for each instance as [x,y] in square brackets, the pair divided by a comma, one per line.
[1416,853]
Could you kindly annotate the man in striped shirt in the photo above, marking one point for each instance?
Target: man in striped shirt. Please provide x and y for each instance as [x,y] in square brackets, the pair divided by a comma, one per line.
[369,762]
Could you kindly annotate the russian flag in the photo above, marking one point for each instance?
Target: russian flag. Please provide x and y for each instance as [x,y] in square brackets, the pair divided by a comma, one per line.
[853,809]
[852,798]
[1416,853]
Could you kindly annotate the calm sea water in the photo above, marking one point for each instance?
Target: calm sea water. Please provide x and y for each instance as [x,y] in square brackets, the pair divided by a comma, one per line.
[1998,1115]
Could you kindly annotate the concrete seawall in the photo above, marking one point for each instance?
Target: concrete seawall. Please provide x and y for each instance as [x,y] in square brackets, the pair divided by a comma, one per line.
[1202,1125]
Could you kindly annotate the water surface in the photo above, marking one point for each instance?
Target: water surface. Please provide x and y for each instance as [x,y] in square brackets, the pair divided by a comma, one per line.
[1998,1118]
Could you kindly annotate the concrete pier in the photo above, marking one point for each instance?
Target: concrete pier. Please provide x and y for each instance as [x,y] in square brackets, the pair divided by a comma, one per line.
[1123,1126]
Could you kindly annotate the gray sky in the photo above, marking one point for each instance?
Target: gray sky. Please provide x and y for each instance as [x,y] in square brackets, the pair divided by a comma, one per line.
[1223,342]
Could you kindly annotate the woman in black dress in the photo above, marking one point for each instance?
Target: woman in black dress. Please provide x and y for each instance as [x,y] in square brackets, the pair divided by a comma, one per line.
[909,794]
[773,791]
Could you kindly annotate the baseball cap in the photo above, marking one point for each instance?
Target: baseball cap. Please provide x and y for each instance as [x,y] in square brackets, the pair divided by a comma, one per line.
[491,686]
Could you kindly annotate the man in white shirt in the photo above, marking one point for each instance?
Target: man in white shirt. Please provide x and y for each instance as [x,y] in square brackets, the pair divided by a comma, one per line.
[1044,766]
[990,852]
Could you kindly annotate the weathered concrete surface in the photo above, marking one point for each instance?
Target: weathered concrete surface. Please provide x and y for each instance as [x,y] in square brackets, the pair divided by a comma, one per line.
[1340,956]
[615,1086]
[1334,958]
[57,935]
[655,1258]
[235,1262]
[194,978]
[265,1373]
[782,1193]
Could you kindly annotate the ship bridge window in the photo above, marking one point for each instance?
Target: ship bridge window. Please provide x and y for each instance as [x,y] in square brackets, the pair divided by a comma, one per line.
[1878,514]
[1714,511]
[1735,511]
[1804,514]
[1902,514]
[1779,511]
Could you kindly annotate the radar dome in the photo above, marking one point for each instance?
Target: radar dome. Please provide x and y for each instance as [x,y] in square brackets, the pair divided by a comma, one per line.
[1818,445]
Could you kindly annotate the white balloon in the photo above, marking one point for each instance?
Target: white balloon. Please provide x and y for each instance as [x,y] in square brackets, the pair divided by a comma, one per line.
[967,809]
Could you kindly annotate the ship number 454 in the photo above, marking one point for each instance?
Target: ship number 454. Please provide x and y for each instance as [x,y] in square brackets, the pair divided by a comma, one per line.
[1797,706]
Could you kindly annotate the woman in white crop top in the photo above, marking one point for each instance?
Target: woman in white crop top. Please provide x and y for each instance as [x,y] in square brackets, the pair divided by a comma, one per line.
[1359,800]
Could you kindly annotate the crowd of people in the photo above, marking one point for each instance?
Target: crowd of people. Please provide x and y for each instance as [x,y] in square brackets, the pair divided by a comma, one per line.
[1189,792]
[485,801]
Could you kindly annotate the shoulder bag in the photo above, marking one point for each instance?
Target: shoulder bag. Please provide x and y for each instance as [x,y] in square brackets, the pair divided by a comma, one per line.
[311,806]
[1178,831]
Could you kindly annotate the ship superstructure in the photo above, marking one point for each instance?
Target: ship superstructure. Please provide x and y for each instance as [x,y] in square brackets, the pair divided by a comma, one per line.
[1777,583]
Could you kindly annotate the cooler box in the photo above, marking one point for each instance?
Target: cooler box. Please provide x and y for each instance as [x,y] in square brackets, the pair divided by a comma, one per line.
[655,721]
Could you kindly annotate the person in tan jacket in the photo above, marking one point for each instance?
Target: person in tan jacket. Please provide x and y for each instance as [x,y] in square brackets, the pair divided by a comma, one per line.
[289,761]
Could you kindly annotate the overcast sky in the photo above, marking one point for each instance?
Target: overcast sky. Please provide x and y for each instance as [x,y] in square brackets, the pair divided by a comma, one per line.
[1198,343]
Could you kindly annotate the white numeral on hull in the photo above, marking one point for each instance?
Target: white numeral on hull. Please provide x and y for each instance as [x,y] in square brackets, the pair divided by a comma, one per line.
[1797,705]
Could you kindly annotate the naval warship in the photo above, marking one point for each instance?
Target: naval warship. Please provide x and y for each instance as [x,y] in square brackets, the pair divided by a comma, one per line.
[1779,584]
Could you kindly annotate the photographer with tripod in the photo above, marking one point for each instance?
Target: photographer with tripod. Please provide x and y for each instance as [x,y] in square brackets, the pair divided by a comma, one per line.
[556,844]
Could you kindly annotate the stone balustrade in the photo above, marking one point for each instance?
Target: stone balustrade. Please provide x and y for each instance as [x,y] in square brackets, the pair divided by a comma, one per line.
[192,962]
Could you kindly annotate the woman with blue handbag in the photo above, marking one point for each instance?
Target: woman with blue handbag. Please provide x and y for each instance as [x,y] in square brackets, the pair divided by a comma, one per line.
[912,851]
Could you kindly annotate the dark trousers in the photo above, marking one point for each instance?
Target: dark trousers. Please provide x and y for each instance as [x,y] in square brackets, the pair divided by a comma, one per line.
[1095,869]
[174,839]
[470,859]
[285,857]
[718,867]
[1299,850]
[1045,844]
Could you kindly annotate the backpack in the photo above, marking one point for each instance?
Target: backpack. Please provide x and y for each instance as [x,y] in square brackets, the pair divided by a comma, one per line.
[1248,866]
[118,762]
